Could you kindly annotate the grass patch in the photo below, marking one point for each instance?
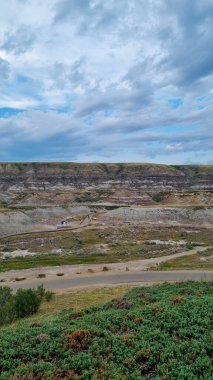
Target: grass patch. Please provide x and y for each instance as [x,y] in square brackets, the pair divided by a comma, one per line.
[57,260]
[50,260]
[203,260]
[116,254]
[81,299]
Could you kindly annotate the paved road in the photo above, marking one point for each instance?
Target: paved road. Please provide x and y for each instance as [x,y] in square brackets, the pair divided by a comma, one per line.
[69,283]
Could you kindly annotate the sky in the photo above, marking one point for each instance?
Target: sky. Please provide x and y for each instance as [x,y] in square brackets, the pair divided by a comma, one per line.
[106,81]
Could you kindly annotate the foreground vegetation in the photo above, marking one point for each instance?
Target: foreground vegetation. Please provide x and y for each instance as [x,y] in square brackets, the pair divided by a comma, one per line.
[159,332]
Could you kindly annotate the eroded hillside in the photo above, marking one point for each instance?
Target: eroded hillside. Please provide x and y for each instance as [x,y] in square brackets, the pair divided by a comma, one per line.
[50,176]
[66,213]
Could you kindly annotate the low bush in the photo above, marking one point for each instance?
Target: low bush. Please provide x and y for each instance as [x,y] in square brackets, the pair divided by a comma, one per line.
[159,197]
[22,304]
[27,302]
[48,296]
[189,245]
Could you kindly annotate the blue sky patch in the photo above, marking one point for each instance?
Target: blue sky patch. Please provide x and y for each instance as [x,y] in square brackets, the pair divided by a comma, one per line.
[175,103]
[8,112]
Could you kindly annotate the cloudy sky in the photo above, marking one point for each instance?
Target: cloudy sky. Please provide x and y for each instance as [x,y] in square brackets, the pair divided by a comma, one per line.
[106,80]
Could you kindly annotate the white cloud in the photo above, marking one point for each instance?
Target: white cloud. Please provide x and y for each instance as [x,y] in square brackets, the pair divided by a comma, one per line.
[112,68]
[4,69]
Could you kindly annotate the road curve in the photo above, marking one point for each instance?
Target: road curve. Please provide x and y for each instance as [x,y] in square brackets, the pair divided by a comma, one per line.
[99,280]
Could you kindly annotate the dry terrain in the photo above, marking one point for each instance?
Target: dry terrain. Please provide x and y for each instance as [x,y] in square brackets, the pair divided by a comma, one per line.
[80,218]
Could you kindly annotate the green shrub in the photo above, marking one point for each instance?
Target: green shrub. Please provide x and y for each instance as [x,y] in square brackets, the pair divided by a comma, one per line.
[159,197]
[7,310]
[27,302]
[22,304]
[40,291]
[5,295]
[48,296]
[189,245]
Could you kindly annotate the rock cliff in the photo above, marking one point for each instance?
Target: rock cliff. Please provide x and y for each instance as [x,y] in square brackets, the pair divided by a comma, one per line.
[67,176]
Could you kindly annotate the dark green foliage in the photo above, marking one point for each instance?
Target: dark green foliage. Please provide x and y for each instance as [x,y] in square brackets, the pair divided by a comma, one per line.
[27,302]
[160,332]
[120,168]
[7,306]
[5,295]
[48,296]
[105,168]
[7,312]
[22,304]
[159,197]
[189,245]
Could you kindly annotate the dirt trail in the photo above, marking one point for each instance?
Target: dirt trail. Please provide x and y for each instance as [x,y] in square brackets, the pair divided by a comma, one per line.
[50,229]
[80,270]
